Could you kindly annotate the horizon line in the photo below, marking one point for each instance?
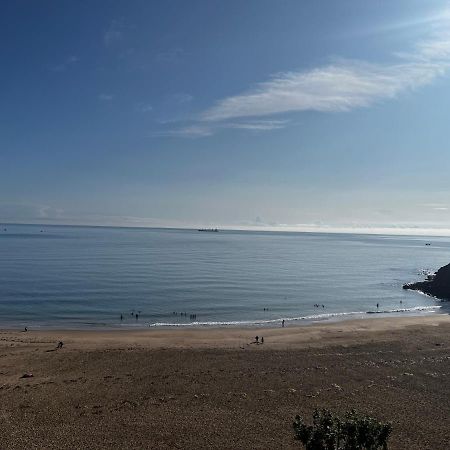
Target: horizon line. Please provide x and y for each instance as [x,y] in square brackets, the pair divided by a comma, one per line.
[361,230]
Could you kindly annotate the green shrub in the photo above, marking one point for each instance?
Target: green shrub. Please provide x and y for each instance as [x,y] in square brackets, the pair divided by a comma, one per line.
[351,432]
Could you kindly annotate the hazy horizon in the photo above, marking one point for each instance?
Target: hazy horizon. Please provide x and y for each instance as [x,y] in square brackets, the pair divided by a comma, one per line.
[388,231]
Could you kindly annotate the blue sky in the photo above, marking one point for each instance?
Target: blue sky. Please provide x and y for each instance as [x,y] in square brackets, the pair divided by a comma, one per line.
[258,114]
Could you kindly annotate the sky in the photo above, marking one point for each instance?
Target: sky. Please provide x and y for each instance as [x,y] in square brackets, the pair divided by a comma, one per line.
[256,114]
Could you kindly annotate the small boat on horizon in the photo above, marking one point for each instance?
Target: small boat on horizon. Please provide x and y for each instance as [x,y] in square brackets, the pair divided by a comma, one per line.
[209,230]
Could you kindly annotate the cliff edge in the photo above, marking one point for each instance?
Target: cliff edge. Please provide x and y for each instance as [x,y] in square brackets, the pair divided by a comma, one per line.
[436,285]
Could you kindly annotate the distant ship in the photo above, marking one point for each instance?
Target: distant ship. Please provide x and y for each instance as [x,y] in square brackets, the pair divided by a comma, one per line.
[209,230]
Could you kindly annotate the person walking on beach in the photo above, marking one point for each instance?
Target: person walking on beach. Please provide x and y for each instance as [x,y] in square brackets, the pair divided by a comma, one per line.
[257,339]
[262,339]
[282,323]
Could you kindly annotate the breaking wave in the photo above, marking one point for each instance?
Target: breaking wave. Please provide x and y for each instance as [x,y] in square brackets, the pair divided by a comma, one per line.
[310,318]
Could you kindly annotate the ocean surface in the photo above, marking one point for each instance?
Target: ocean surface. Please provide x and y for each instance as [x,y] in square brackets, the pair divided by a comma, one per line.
[87,277]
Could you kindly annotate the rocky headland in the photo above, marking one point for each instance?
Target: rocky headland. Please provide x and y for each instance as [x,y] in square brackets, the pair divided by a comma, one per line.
[436,285]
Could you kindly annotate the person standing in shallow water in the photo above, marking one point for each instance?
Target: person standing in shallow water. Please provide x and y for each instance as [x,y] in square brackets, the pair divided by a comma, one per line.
[282,323]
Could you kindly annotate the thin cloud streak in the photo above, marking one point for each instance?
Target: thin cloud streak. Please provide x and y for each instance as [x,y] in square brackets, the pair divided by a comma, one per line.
[434,19]
[338,87]
[258,125]
[144,107]
[190,131]
[203,130]
[341,86]
[66,64]
[106,97]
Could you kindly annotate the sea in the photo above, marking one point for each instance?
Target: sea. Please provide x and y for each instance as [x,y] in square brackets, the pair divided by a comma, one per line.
[99,277]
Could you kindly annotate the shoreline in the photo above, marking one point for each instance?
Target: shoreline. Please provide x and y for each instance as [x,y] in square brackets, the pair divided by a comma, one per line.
[291,336]
[298,321]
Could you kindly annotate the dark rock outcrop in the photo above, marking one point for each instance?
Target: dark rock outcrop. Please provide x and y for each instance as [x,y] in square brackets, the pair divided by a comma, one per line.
[436,285]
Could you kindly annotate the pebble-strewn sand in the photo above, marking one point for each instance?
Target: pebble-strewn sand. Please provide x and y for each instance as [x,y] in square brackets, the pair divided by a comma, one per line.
[214,389]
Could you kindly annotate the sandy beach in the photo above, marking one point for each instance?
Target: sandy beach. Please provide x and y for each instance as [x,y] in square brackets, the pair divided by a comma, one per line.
[215,388]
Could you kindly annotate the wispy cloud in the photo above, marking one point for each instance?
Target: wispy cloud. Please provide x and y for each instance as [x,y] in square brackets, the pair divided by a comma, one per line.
[257,125]
[436,206]
[113,34]
[434,18]
[144,107]
[106,97]
[340,86]
[208,129]
[66,64]
[28,211]
[189,131]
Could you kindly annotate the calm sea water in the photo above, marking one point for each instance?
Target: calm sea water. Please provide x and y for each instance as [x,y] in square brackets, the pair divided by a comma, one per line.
[87,277]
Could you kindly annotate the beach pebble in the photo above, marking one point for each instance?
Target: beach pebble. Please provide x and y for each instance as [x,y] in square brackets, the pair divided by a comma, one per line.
[269,391]
[27,375]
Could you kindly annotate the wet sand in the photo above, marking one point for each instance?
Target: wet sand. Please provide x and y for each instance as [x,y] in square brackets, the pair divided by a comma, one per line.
[214,388]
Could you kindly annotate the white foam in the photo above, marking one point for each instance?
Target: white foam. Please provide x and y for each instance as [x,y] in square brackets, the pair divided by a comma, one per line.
[312,317]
